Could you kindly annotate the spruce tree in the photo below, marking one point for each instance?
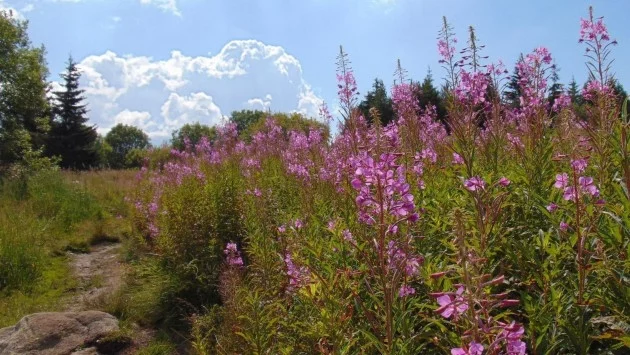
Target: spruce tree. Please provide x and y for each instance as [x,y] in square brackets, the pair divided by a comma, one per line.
[71,138]
[428,95]
[556,89]
[378,98]
[574,92]
[618,91]
[512,94]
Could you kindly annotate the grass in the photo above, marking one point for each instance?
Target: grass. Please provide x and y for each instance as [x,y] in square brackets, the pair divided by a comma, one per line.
[46,216]
[48,293]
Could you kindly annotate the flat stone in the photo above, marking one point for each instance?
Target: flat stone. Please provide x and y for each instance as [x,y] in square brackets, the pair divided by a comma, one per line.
[57,333]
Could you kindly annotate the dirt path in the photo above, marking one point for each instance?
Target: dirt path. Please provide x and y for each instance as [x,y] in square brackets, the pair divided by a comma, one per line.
[100,274]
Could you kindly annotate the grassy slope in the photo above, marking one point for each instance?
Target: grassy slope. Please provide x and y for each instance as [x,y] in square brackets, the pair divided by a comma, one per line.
[56,212]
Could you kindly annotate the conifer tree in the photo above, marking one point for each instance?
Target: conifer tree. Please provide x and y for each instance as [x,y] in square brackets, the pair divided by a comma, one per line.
[512,94]
[378,98]
[71,138]
[574,92]
[428,95]
[556,89]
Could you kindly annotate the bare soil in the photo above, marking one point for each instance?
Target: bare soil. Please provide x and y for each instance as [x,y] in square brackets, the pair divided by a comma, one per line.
[100,274]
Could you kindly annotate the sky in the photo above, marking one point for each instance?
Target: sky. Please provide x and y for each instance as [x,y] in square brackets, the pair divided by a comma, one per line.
[158,64]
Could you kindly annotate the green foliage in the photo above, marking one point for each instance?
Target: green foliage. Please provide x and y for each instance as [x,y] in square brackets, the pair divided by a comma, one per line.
[428,95]
[23,105]
[378,98]
[512,94]
[246,118]
[35,216]
[288,122]
[70,138]
[126,143]
[103,150]
[54,283]
[193,132]
[191,243]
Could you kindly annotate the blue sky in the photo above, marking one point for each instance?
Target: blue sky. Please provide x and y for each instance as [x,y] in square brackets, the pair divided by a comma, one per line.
[158,64]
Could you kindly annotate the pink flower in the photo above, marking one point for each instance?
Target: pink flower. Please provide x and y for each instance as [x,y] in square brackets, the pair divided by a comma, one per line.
[347,236]
[457,159]
[298,224]
[429,154]
[579,165]
[504,181]
[233,256]
[406,290]
[561,181]
[516,347]
[473,349]
[282,229]
[475,183]
[298,276]
[552,207]
[564,226]
[513,334]
[472,88]
[561,102]
[570,193]
[452,305]
[587,186]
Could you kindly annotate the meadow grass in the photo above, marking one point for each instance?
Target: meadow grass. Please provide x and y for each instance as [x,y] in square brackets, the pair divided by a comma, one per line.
[42,218]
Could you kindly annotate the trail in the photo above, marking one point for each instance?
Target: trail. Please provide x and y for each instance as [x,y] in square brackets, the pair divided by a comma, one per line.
[100,274]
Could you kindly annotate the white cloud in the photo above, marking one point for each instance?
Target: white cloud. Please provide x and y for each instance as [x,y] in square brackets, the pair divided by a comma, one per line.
[260,104]
[134,118]
[197,107]
[161,95]
[164,5]
[11,10]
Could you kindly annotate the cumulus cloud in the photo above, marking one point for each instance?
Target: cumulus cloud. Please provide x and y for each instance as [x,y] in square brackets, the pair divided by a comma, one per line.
[139,119]
[260,104]
[160,96]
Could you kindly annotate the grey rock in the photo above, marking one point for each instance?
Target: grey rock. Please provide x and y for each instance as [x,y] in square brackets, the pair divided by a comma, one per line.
[57,333]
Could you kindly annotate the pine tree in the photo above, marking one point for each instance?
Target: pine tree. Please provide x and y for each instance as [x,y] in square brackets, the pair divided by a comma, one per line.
[428,95]
[619,91]
[71,138]
[556,89]
[512,94]
[378,98]
[574,92]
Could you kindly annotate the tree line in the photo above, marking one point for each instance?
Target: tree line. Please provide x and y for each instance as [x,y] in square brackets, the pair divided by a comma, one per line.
[427,94]
[41,127]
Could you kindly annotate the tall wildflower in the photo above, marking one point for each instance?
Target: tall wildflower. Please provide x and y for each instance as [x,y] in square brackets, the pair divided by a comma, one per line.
[385,202]
[594,34]
[446,48]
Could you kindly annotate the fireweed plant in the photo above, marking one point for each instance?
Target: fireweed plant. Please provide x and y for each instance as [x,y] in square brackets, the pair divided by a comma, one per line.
[503,230]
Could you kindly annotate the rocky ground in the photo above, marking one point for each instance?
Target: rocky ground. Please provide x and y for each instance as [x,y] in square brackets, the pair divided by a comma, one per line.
[80,329]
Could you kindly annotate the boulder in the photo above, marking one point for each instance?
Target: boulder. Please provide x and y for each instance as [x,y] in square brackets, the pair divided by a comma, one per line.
[57,333]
